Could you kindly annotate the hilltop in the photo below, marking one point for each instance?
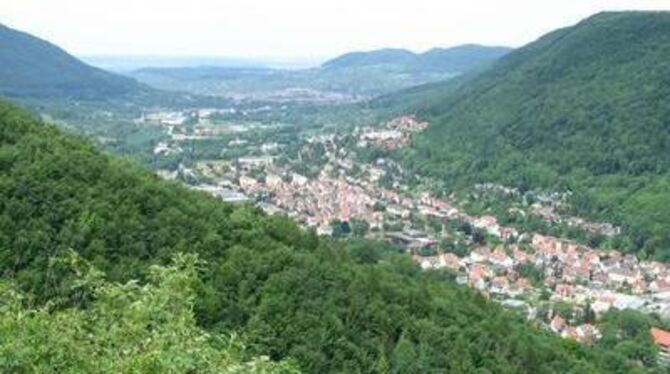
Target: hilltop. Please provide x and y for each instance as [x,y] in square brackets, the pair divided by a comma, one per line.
[378,57]
[349,77]
[457,59]
[31,67]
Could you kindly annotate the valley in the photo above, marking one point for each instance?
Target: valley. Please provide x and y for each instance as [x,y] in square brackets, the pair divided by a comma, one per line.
[344,182]
[463,209]
[352,77]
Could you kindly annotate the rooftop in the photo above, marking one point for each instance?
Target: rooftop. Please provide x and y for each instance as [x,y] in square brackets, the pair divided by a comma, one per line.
[661,337]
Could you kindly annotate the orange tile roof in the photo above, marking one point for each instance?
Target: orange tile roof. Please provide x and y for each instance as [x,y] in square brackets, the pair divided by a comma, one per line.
[661,337]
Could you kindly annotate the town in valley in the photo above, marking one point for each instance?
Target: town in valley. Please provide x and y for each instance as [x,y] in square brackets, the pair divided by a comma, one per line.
[340,183]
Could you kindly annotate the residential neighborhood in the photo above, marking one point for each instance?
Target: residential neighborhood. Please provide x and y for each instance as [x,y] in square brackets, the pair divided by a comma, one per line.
[526,271]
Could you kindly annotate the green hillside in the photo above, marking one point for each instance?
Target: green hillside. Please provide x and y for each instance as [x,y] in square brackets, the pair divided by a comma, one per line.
[455,59]
[127,328]
[582,109]
[332,306]
[357,73]
[461,58]
[378,57]
[31,67]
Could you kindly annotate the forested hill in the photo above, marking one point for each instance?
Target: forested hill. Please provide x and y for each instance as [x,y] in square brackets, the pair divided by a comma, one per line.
[455,60]
[377,57]
[582,109]
[358,73]
[32,67]
[331,306]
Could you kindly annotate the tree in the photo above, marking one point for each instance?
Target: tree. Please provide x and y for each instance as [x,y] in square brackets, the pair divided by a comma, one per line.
[478,237]
[340,229]
[359,228]
[127,328]
[404,359]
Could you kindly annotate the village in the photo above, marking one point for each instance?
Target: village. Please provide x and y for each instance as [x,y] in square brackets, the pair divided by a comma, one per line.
[526,271]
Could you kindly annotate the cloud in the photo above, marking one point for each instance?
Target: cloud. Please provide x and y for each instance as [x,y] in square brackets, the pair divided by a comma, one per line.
[293,28]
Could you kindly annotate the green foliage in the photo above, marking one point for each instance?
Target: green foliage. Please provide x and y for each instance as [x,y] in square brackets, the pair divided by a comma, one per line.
[31,67]
[458,248]
[359,228]
[128,328]
[340,229]
[626,336]
[457,59]
[530,271]
[333,306]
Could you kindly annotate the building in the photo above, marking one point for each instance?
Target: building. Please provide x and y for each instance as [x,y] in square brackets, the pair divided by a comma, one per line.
[662,340]
[410,240]
[489,224]
[224,194]
[248,163]
[557,324]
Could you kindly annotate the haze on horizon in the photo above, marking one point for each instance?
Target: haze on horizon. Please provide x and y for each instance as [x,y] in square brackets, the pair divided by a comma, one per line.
[293,29]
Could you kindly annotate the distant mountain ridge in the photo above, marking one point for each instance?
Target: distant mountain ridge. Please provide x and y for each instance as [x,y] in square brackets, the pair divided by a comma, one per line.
[358,73]
[32,67]
[376,57]
[453,59]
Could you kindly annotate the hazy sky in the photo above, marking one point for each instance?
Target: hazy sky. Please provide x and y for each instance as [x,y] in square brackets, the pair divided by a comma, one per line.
[293,28]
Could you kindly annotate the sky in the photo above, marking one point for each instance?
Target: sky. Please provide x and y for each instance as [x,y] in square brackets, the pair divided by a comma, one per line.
[293,29]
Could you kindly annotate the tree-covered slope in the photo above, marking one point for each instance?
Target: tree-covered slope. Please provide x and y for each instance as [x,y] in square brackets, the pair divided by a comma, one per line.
[581,109]
[355,307]
[461,58]
[454,60]
[378,57]
[31,67]
[125,328]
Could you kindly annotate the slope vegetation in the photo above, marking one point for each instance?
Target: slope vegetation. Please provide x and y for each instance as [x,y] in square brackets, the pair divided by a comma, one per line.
[332,306]
[457,59]
[581,109]
[31,67]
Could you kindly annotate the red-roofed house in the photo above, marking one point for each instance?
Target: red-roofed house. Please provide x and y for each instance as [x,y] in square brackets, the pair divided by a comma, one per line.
[557,324]
[570,333]
[499,285]
[451,261]
[660,285]
[477,275]
[564,290]
[519,255]
[500,258]
[639,287]
[575,271]
[587,333]
[520,286]
[662,340]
